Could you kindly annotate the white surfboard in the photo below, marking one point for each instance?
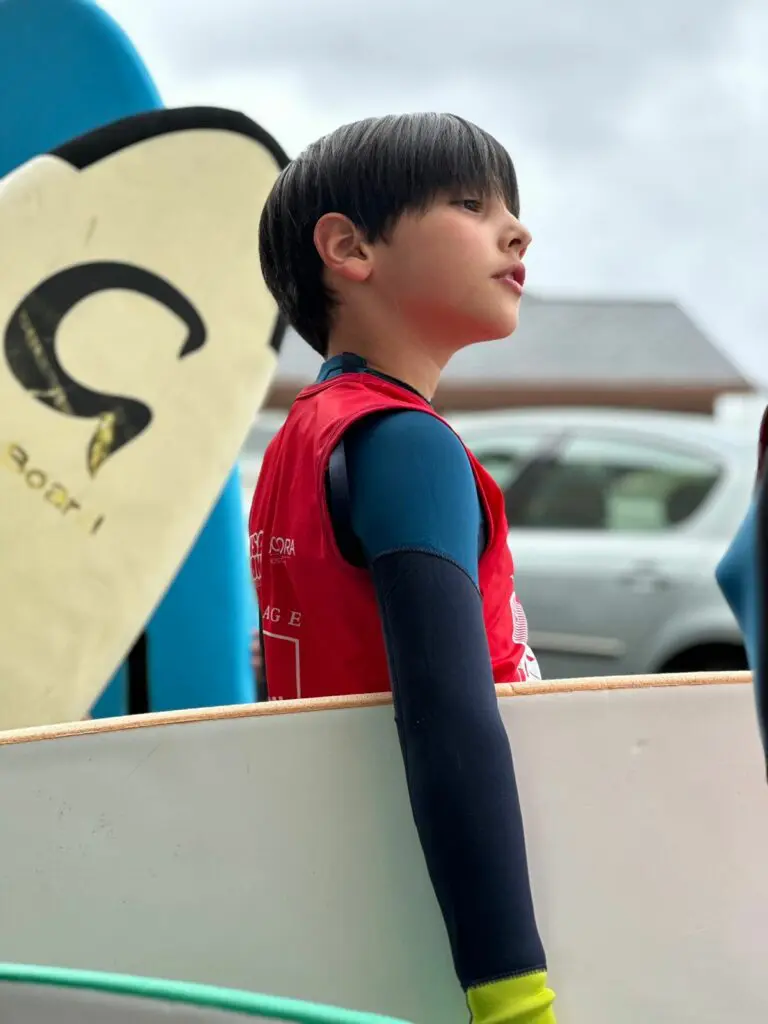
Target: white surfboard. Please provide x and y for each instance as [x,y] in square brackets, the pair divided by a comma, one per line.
[273,847]
[138,339]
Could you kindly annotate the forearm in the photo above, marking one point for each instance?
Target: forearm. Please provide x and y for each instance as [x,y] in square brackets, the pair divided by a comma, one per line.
[460,773]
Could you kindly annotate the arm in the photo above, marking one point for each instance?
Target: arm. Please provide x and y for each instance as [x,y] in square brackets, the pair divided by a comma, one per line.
[416,513]
[760,672]
[742,575]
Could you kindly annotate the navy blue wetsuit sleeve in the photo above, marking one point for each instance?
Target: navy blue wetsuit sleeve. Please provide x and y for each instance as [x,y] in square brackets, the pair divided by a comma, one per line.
[760,640]
[415,511]
[413,489]
[759,637]
[743,578]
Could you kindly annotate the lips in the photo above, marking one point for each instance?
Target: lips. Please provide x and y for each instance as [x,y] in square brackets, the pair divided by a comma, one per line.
[513,275]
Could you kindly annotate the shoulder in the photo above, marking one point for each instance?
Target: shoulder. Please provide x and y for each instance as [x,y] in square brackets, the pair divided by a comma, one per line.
[409,437]
[412,487]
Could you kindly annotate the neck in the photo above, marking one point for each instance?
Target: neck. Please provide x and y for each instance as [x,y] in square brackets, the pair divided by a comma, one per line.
[396,355]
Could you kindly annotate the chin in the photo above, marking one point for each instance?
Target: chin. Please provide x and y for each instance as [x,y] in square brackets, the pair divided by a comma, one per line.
[500,328]
[473,329]
[505,319]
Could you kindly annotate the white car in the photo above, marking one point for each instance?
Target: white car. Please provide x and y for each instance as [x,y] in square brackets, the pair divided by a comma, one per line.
[617,521]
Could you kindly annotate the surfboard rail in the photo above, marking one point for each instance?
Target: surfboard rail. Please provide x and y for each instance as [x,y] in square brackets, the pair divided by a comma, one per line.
[553,687]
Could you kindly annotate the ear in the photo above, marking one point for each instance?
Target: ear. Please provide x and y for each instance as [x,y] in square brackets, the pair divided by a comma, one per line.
[343,248]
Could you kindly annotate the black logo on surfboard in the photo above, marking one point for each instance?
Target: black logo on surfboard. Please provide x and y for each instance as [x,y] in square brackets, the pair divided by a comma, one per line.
[30,349]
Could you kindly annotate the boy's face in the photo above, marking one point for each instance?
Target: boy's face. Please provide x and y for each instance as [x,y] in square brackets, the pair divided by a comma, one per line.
[456,271]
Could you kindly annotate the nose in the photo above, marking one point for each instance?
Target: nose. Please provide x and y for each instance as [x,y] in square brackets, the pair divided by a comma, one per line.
[516,236]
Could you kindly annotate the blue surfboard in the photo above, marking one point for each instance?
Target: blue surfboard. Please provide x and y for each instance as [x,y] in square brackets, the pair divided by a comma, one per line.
[66,68]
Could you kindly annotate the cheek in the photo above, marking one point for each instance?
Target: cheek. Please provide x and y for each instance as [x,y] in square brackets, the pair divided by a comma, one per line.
[415,272]
[464,255]
[443,265]
[451,259]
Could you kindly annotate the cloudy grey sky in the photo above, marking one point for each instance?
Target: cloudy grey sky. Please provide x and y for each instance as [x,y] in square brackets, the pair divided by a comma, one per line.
[640,132]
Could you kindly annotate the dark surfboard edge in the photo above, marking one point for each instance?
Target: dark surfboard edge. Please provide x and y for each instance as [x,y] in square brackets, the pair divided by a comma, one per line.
[89,148]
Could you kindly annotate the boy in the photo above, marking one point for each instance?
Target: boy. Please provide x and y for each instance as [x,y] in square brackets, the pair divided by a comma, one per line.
[378,542]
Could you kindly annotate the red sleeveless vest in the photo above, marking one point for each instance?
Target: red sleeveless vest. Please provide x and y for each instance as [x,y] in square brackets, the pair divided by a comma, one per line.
[320,621]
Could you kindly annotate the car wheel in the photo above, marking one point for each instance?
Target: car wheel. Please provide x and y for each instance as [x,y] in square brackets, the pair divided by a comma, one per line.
[709,658]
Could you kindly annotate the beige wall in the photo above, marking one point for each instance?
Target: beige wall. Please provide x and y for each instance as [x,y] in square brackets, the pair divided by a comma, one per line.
[272,849]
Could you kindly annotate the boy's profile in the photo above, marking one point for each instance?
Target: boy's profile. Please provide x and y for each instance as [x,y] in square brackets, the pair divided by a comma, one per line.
[378,542]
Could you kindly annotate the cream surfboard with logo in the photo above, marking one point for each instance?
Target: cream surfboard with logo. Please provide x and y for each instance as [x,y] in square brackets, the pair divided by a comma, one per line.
[138,339]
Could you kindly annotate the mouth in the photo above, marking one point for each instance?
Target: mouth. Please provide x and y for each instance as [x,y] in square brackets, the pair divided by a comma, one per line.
[513,277]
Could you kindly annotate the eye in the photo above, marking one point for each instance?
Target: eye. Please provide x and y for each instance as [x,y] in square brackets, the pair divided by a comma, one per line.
[473,205]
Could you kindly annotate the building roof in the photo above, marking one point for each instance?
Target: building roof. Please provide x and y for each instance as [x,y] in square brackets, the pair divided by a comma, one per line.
[599,341]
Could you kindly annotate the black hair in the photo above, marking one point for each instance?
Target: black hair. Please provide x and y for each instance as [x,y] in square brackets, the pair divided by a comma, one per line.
[371,171]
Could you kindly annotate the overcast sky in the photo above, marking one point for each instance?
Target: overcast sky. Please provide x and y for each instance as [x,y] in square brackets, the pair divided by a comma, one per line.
[640,132]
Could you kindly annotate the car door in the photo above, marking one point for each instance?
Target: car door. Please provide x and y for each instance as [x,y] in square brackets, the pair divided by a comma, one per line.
[592,533]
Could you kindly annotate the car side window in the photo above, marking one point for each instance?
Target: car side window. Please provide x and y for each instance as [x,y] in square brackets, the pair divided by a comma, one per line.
[504,461]
[612,484]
